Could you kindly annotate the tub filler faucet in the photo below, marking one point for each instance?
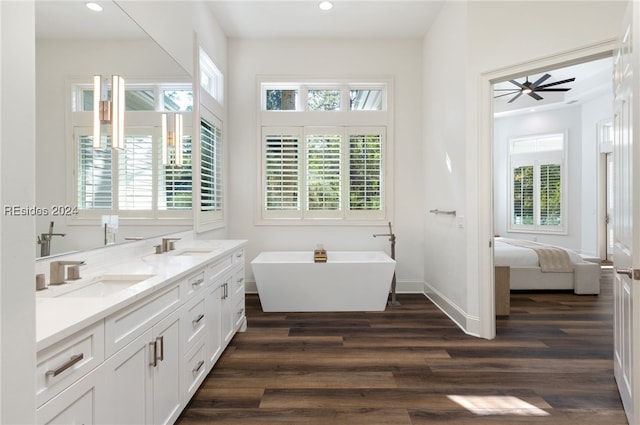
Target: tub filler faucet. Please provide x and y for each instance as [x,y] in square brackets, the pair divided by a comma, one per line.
[44,240]
[392,239]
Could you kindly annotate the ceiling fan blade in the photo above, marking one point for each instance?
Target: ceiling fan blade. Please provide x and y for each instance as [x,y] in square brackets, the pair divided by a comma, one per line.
[569,80]
[515,97]
[518,84]
[567,89]
[535,96]
[540,80]
[506,94]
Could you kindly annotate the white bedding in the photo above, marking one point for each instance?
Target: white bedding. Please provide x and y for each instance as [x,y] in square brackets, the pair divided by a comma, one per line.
[515,256]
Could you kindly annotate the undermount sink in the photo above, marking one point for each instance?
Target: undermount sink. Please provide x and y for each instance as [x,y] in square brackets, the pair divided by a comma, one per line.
[195,251]
[105,285]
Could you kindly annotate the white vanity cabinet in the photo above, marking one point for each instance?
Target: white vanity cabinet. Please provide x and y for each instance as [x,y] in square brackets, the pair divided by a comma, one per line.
[67,380]
[76,404]
[143,379]
[141,363]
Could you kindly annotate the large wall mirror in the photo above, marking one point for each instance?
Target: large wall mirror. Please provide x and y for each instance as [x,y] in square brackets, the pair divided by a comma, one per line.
[80,189]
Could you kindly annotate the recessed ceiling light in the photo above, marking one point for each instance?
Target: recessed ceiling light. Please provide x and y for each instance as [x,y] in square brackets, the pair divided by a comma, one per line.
[94,6]
[325,5]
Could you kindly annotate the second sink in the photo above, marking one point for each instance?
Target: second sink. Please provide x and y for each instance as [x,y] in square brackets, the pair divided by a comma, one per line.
[105,285]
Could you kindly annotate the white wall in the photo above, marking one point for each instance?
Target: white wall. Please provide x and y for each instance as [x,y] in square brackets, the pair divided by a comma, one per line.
[545,122]
[189,21]
[17,267]
[400,59]
[593,112]
[59,62]
[467,41]
[445,115]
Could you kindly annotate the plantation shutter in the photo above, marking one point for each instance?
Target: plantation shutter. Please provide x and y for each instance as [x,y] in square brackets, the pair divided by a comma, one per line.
[282,172]
[210,167]
[175,182]
[135,176]
[365,172]
[523,200]
[550,195]
[323,153]
[95,190]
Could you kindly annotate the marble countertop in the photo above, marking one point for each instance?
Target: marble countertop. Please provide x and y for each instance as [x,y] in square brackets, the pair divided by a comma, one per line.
[59,316]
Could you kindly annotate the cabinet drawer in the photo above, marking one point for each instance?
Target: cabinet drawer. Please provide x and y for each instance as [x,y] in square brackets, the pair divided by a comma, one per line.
[63,363]
[238,281]
[195,369]
[239,310]
[238,257]
[193,321]
[216,269]
[126,325]
[194,284]
[78,404]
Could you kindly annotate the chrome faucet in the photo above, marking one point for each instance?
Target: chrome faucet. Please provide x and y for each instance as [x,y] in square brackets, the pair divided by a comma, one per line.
[167,245]
[57,271]
[44,240]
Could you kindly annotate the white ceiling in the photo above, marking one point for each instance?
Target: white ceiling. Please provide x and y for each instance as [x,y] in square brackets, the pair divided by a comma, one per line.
[373,19]
[591,79]
[303,18]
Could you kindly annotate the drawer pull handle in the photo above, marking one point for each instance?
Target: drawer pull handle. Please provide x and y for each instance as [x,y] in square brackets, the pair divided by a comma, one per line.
[197,320]
[240,280]
[240,312]
[73,360]
[197,282]
[198,367]
[161,339]
[154,354]
[239,255]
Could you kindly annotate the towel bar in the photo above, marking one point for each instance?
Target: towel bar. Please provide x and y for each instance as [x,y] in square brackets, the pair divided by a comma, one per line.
[437,212]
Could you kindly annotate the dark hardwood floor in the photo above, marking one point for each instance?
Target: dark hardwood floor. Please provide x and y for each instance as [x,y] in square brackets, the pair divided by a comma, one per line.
[551,363]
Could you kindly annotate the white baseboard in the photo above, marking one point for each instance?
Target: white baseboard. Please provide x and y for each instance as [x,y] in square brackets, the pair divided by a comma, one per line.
[467,323]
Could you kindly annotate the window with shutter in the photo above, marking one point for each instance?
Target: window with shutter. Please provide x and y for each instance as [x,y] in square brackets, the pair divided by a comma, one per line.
[135,179]
[323,172]
[210,167]
[365,172]
[538,196]
[95,189]
[325,152]
[282,172]
[133,182]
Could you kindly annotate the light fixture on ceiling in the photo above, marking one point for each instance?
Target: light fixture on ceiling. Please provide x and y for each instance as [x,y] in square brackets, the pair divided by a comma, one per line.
[325,5]
[172,137]
[108,111]
[94,6]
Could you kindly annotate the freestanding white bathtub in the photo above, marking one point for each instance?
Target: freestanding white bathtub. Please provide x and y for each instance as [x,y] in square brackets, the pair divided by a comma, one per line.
[290,281]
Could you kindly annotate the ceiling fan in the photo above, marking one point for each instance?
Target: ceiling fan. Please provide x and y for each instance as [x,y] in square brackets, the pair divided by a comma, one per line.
[533,88]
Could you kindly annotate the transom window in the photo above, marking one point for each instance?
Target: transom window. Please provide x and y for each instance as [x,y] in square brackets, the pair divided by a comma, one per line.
[325,152]
[537,184]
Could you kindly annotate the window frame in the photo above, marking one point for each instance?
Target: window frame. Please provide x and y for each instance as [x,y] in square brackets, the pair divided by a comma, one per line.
[345,117]
[537,160]
[136,122]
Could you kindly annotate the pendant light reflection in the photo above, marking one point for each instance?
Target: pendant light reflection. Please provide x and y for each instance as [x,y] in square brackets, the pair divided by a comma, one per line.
[172,137]
[108,112]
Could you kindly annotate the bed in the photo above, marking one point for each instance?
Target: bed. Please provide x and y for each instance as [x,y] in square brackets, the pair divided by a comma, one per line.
[536,266]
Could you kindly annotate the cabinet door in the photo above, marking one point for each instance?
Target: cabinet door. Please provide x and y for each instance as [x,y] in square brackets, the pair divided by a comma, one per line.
[77,404]
[129,382]
[166,369]
[227,317]
[213,311]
